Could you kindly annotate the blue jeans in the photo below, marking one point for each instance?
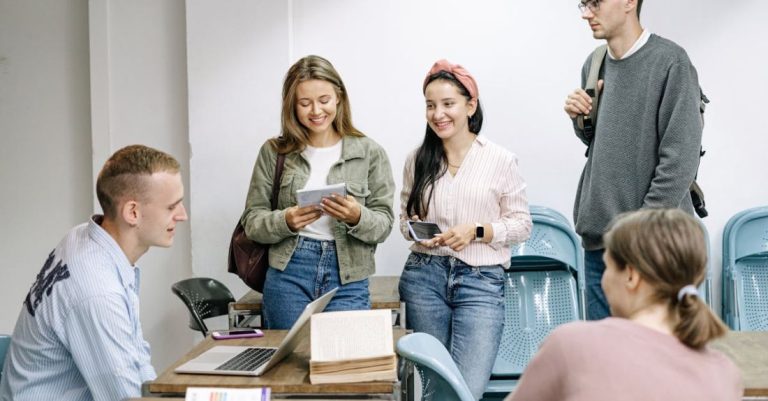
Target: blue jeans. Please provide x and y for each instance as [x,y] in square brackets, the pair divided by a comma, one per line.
[312,271]
[462,306]
[597,305]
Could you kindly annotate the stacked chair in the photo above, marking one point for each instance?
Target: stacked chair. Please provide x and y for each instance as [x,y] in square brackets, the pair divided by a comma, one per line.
[745,270]
[543,288]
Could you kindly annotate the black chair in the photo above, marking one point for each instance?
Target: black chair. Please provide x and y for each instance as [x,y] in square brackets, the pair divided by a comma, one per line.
[205,298]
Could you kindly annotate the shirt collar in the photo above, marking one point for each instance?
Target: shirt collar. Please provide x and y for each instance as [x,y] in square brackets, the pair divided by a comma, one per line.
[642,40]
[481,140]
[129,275]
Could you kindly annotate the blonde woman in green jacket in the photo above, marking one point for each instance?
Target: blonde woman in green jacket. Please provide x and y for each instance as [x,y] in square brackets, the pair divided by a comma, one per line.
[319,247]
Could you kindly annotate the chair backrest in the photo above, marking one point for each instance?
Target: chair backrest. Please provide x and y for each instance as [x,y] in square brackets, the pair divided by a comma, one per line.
[535,302]
[440,377]
[553,245]
[745,270]
[546,211]
[204,298]
[543,288]
[5,342]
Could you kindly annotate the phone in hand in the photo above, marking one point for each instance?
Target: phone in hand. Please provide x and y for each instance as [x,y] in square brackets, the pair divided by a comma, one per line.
[422,231]
[239,333]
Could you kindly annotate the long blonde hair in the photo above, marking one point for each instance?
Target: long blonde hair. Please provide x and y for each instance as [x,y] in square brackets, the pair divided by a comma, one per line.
[294,136]
[668,249]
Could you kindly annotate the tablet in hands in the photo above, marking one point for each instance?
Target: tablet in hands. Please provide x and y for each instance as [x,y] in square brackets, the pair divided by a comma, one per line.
[308,197]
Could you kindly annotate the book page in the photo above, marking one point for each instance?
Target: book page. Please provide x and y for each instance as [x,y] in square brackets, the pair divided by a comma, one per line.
[338,336]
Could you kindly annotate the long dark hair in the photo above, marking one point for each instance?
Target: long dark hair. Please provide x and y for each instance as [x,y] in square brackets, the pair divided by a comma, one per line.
[431,162]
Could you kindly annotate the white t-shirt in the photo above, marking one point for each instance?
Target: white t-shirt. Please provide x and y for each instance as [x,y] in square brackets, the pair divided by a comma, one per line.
[320,162]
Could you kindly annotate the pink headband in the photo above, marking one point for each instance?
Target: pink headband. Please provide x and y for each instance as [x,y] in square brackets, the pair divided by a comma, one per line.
[458,71]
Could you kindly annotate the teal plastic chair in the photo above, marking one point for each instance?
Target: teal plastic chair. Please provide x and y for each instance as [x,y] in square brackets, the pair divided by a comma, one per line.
[440,378]
[726,282]
[745,271]
[543,288]
[546,211]
[552,246]
[204,298]
[5,341]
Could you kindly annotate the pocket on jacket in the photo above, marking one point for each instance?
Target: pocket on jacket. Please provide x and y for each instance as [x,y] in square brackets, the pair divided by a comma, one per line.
[359,190]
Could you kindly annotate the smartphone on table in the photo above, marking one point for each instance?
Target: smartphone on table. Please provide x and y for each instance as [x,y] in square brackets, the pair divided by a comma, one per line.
[422,231]
[238,333]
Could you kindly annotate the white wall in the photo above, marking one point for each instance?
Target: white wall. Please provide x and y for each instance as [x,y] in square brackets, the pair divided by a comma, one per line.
[526,57]
[138,85]
[45,145]
[129,78]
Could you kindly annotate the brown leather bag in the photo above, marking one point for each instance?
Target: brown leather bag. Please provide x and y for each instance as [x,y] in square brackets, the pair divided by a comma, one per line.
[249,259]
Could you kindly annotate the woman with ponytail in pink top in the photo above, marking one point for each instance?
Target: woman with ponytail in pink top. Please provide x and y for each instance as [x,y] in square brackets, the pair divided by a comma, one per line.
[655,346]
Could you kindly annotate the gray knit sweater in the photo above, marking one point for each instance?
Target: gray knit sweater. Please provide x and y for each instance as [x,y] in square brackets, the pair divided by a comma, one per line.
[646,147]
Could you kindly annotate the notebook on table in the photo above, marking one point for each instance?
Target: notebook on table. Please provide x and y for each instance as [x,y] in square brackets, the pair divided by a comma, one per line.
[254,361]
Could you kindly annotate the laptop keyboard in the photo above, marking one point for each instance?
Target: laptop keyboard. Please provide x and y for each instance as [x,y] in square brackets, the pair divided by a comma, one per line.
[248,360]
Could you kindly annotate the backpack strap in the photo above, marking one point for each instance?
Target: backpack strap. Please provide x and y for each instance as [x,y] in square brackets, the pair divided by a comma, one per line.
[587,122]
[279,163]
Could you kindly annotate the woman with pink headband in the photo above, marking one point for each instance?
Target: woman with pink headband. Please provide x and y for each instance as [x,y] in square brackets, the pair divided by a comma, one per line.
[452,284]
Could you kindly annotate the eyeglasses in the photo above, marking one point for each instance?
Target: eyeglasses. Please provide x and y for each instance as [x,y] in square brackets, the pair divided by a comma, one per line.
[592,5]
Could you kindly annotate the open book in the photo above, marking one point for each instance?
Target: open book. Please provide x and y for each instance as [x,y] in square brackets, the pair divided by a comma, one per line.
[352,346]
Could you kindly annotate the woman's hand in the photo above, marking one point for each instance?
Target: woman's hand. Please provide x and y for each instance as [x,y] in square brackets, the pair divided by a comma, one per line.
[300,217]
[341,208]
[457,237]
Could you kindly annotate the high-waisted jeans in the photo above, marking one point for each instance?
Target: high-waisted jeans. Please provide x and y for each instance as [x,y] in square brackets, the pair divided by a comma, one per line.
[462,306]
[312,271]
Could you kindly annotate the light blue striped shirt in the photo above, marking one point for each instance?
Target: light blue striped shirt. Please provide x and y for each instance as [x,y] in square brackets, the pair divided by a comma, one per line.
[78,336]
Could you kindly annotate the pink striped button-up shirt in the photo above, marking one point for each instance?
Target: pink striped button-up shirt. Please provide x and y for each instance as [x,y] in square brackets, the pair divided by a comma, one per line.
[487,188]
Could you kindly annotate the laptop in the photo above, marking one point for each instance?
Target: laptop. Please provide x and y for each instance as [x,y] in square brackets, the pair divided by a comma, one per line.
[254,361]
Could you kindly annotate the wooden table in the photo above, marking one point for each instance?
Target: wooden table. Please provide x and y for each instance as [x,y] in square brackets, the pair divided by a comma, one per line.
[271,399]
[383,289]
[749,351]
[289,378]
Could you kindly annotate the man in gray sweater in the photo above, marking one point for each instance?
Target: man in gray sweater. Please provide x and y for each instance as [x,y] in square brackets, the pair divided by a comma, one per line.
[645,150]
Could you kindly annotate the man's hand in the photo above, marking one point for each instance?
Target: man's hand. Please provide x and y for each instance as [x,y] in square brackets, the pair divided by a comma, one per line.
[579,102]
[300,217]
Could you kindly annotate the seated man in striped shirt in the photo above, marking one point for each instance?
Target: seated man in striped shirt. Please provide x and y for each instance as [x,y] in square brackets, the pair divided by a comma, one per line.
[78,336]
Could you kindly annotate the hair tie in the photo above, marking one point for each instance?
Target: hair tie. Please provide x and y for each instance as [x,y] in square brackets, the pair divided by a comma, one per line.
[689,289]
[458,71]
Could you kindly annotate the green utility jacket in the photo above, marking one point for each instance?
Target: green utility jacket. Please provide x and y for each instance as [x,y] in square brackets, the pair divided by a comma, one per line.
[363,166]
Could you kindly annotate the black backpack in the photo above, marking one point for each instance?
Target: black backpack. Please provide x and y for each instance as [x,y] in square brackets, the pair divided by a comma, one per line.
[587,122]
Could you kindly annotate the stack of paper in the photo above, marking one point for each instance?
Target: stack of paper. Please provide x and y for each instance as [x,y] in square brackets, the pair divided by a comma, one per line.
[352,346]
